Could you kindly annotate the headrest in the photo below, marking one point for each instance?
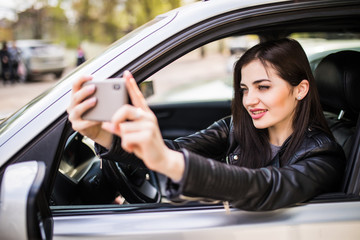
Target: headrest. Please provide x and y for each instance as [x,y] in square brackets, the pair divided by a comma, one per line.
[338,80]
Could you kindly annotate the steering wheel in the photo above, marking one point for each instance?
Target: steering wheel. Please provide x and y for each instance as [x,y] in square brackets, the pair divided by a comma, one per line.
[136,184]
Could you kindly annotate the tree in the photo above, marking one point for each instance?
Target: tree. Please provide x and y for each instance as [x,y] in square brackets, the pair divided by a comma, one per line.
[108,19]
[85,18]
[101,21]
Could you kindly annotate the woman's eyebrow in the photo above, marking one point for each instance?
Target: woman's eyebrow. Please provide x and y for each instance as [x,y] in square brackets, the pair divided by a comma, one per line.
[256,82]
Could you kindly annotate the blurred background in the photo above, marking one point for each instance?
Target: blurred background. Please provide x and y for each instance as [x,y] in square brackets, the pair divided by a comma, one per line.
[71,22]
[57,35]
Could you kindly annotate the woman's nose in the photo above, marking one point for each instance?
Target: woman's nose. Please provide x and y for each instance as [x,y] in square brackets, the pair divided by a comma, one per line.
[250,99]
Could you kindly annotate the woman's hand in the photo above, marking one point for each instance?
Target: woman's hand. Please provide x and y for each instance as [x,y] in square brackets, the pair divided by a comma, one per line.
[140,134]
[79,106]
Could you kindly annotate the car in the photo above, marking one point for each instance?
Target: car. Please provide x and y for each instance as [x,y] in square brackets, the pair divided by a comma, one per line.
[41,57]
[53,186]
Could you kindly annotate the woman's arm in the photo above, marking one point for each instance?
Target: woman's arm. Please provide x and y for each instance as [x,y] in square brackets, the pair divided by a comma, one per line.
[208,142]
[316,171]
[138,129]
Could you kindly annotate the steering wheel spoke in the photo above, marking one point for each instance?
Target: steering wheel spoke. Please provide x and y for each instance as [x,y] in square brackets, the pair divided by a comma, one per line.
[135,185]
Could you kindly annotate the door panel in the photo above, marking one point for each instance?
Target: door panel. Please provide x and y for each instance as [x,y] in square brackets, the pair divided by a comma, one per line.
[181,119]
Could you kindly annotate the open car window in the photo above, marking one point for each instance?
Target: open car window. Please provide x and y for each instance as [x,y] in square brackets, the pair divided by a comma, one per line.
[203,75]
[206,74]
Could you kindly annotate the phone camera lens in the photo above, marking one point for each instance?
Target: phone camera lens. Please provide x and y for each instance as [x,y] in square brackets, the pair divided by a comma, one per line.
[116,86]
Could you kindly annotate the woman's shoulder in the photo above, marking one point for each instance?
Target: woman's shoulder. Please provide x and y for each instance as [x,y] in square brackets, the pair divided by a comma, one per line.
[318,143]
[223,123]
[318,137]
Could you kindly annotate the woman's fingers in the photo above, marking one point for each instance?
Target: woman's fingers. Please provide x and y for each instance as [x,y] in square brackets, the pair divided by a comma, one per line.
[135,94]
[78,110]
[130,113]
[78,83]
[78,94]
[132,134]
[125,113]
[138,141]
[79,106]
[84,93]
[130,127]
[82,125]
[138,110]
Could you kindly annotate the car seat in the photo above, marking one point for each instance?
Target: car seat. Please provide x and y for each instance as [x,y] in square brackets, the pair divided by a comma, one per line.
[338,80]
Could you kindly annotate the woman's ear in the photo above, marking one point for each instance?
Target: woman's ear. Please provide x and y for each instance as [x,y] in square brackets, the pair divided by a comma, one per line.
[302,89]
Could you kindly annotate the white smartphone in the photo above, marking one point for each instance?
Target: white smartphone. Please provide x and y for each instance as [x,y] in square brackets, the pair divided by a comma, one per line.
[110,94]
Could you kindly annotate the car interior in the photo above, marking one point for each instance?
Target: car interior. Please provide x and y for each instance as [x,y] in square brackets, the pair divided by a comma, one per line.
[337,77]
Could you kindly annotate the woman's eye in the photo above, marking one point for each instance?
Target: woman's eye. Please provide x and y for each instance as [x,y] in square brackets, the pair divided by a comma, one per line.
[261,87]
[243,90]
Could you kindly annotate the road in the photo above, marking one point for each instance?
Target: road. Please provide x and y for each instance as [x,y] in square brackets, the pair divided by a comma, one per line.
[14,96]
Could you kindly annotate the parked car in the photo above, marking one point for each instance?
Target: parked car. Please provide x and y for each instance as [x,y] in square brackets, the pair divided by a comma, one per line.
[52,185]
[41,57]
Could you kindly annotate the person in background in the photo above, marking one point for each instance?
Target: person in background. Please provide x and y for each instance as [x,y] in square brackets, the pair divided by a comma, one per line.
[80,56]
[275,150]
[5,63]
[15,58]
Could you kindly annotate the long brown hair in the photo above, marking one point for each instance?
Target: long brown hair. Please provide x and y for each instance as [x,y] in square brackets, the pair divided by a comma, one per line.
[288,58]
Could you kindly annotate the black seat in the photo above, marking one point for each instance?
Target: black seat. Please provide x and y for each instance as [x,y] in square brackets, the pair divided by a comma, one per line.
[338,80]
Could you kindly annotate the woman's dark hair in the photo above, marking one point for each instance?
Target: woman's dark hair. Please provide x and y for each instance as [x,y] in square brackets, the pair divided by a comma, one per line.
[288,58]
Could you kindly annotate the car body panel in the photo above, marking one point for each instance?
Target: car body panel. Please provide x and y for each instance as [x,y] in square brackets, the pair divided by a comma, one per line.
[313,221]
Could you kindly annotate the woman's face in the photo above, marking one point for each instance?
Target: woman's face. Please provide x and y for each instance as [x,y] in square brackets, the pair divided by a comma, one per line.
[268,98]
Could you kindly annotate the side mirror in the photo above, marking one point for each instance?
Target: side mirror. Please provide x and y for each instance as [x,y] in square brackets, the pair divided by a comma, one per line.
[24,211]
[147,88]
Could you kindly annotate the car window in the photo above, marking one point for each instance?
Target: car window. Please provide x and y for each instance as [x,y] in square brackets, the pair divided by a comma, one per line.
[206,73]
[319,45]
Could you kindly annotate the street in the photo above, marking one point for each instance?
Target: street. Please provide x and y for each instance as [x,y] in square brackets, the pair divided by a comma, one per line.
[14,96]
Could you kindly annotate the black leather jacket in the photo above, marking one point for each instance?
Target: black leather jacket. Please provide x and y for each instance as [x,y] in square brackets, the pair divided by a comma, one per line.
[316,167]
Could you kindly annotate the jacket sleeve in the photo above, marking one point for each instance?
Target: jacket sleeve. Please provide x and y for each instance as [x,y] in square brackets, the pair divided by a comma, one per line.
[316,171]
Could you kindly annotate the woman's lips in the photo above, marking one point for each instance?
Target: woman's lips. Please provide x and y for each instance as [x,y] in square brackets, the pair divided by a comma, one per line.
[257,113]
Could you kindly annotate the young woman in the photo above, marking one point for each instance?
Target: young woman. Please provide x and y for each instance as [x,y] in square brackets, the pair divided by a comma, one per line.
[274,151]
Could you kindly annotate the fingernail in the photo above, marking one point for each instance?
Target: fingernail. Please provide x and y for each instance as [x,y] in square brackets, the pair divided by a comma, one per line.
[92,100]
[126,72]
[116,127]
[91,87]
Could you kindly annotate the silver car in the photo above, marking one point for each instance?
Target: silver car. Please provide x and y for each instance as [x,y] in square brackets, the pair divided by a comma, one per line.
[41,57]
[53,186]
